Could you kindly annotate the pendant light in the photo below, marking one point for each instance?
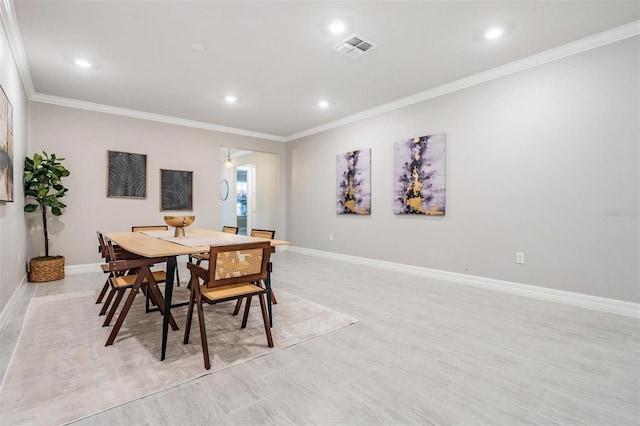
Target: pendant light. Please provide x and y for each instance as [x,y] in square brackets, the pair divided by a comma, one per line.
[228,162]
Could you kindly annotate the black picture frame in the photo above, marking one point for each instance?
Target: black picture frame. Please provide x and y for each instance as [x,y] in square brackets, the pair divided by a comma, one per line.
[176,190]
[127,175]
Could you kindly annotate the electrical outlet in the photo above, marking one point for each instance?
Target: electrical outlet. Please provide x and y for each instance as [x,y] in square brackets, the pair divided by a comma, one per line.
[330,237]
[519,257]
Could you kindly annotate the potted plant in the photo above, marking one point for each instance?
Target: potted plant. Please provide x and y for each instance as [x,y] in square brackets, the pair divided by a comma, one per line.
[43,184]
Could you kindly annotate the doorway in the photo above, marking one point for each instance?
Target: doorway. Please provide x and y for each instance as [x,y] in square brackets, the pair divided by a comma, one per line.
[245,198]
[254,198]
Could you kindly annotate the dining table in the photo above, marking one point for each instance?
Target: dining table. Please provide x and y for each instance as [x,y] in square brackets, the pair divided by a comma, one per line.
[164,244]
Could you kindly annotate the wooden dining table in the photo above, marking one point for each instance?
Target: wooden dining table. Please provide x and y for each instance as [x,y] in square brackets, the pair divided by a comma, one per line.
[163,244]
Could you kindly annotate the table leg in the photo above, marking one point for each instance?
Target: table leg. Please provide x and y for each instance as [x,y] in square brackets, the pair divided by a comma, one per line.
[168,292]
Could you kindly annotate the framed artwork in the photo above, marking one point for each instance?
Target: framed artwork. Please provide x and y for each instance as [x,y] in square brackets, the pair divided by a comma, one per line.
[127,175]
[353,182]
[419,175]
[176,190]
[6,148]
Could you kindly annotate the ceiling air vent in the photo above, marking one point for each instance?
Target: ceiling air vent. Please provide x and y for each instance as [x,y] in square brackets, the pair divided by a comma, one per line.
[354,46]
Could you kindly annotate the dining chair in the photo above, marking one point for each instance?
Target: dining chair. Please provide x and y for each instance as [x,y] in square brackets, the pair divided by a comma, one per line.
[199,257]
[102,249]
[149,228]
[230,276]
[261,233]
[117,284]
[230,229]
[143,278]
[156,228]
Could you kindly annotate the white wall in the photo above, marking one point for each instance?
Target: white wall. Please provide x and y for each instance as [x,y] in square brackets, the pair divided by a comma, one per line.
[84,137]
[12,216]
[545,161]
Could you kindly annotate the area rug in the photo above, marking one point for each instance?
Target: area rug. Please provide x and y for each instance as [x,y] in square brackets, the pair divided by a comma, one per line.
[61,371]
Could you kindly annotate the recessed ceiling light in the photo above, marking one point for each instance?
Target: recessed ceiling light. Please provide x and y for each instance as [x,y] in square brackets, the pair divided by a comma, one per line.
[336,27]
[197,47]
[230,99]
[323,104]
[83,63]
[493,33]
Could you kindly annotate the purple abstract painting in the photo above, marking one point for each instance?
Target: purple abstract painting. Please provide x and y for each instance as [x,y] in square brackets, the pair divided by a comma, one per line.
[353,179]
[419,175]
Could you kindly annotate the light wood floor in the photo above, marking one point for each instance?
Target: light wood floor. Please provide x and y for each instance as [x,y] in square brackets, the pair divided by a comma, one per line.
[424,352]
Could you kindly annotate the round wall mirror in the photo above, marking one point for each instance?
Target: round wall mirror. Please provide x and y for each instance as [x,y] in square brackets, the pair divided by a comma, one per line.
[224,189]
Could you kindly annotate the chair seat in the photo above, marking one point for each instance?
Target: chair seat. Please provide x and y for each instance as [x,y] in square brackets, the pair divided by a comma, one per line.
[128,280]
[231,291]
[105,268]
[201,256]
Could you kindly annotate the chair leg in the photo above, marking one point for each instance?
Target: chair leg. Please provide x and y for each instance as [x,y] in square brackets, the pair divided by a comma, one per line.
[187,326]
[273,298]
[203,331]
[265,319]
[114,307]
[237,308]
[246,311]
[107,302]
[121,317]
[105,287]
[156,297]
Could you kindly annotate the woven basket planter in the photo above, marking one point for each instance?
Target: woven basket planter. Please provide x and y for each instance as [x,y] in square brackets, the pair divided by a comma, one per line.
[51,269]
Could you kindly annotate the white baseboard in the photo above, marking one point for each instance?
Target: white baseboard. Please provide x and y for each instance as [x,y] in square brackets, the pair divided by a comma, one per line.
[82,269]
[602,304]
[7,312]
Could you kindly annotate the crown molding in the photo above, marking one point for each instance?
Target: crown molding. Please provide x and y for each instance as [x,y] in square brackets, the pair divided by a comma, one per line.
[607,37]
[7,13]
[10,22]
[91,106]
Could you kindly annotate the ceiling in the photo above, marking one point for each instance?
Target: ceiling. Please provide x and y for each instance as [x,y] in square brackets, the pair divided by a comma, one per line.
[277,57]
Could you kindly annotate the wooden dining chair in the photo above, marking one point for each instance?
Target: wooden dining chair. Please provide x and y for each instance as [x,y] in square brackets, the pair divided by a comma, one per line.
[261,233]
[119,279]
[230,229]
[156,228]
[102,249]
[149,228]
[205,256]
[144,277]
[232,271]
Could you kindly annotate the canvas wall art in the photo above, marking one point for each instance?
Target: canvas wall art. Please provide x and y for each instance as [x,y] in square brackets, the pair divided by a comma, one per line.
[419,175]
[353,177]
[127,175]
[6,148]
[176,190]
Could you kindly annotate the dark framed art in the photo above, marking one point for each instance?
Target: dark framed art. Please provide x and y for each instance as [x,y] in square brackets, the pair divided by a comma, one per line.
[6,148]
[127,175]
[176,190]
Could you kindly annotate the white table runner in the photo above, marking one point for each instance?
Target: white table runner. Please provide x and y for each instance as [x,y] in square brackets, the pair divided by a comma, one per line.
[188,240]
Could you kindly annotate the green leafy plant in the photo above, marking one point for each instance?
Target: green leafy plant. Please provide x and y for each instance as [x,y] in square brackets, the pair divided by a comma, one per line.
[43,184]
